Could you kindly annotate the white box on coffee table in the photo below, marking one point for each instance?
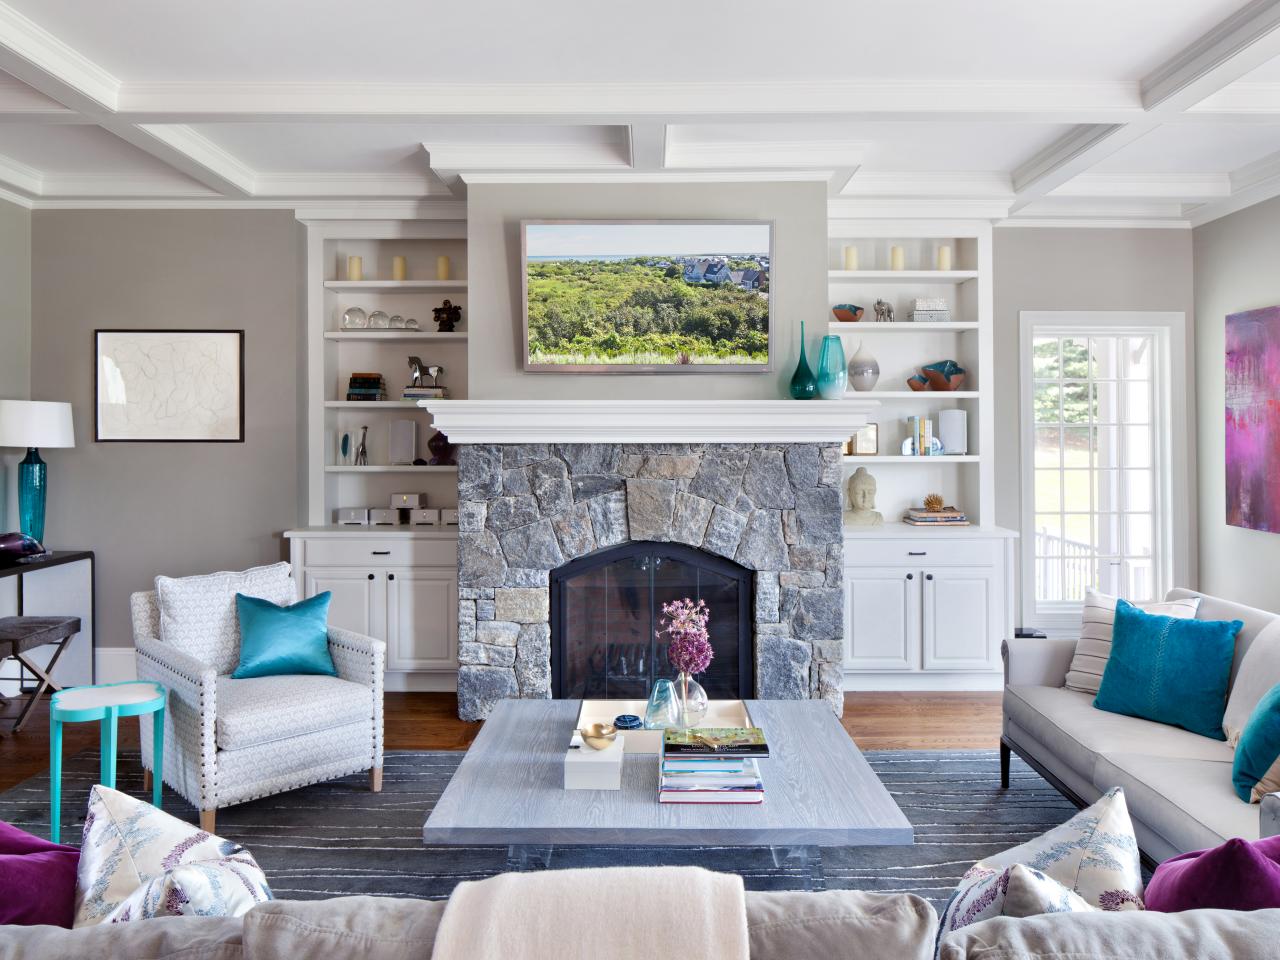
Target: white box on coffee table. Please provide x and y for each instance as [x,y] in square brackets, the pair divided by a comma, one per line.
[588,769]
[720,713]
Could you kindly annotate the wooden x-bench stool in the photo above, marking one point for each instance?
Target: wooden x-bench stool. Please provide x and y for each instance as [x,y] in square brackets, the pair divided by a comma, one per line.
[18,635]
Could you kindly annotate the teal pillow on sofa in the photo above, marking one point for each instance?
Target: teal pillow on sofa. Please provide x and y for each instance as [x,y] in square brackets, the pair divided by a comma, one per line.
[276,640]
[1169,670]
[1255,771]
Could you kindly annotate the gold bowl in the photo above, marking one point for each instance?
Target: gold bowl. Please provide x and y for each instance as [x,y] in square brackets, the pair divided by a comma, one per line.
[599,736]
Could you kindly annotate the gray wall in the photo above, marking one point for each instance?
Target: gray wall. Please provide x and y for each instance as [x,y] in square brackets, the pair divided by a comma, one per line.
[1075,269]
[168,508]
[495,315]
[1235,269]
[15,336]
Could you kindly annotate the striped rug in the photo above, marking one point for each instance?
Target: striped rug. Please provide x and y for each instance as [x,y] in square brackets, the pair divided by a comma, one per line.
[337,838]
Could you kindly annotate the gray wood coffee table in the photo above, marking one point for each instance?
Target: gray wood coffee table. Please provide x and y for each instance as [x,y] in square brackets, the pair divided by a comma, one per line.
[509,791]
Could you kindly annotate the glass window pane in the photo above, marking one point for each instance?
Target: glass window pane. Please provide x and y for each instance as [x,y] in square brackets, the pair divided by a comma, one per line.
[1111,576]
[1044,357]
[1106,490]
[1139,537]
[1048,453]
[1137,402]
[1106,447]
[1137,446]
[1077,530]
[1075,491]
[1075,403]
[1137,490]
[1106,533]
[1141,586]
[1135,357]
[1048,490]
[1075,358]
[1104,357]
[1046,402]
[1049,578]
[1048,533]
[1106,402]
[1075,447]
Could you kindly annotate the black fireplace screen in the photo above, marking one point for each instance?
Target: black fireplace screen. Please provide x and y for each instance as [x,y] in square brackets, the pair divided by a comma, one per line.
[606,611]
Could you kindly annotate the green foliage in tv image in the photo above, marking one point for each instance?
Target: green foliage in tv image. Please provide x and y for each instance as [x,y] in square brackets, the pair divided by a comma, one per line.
[642,311]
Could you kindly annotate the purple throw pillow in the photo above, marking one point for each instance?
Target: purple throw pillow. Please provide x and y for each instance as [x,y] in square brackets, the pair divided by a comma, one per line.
[37,879]
[1239,875]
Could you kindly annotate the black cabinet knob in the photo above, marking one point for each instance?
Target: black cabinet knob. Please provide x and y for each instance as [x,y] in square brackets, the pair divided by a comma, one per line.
[928,576]
[911,576]
[391,576]
[371,576]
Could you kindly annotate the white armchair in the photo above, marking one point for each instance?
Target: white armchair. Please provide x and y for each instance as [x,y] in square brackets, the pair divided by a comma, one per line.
[227,741]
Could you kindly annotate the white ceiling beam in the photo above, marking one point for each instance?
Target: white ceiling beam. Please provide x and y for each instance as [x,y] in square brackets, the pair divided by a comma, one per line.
[994,185]
[1237,102]
[1138,186]
[20,103]
[1069,156]
[647,144]
[193,154]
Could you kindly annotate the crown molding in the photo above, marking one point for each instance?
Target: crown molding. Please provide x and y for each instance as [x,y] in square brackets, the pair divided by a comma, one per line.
[1173,186]
[318,185]
[1239,101]
[304,210]
[649,176]
[991,185]
[20,178]
[915,208]
[36,57]
[1110,223]
[765,154]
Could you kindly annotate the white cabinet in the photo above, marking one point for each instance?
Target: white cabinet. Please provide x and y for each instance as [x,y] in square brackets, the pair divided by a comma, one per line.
[400,587]
[920,606]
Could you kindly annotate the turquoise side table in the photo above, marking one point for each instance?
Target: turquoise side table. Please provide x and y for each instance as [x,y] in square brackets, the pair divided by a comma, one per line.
[107,703]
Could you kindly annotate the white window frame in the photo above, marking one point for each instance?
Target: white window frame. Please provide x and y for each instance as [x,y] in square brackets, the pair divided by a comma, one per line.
[1171,508]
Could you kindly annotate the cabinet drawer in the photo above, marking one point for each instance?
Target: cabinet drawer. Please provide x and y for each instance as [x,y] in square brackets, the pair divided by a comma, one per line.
[929,552]
[379,552]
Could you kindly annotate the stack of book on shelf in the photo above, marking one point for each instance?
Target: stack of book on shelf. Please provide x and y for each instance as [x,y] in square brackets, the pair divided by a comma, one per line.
[919,437]
[712,765]
[424,393]
[946,517]
[366,386]
[931,310]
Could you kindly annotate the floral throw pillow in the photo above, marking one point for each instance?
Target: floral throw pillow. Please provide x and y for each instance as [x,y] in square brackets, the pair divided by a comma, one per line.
[1093,856]
[137,862]
[1017,891]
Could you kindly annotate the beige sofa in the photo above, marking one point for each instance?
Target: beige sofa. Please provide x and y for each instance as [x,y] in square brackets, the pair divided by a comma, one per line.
[1177,784]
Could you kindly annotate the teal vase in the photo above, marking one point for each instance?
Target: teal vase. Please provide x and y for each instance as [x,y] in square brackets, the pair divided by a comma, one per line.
[661,712]
[804,386]
[33,484]
[833,375]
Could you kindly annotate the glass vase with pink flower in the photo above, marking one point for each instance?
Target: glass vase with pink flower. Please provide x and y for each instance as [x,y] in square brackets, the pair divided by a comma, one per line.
[689,649]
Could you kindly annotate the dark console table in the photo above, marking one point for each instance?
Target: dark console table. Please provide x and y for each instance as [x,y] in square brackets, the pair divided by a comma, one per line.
[58,584]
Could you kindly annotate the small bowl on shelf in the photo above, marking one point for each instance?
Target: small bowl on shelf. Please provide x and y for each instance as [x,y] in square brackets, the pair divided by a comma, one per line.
[847,312]
[942,377]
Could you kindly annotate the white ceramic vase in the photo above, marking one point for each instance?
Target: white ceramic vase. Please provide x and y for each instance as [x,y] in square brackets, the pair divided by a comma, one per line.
[864,371]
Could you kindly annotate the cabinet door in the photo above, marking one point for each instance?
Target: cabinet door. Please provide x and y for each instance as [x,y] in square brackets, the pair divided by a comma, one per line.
[961,619]
[882,619]
[422,618]
[359,598]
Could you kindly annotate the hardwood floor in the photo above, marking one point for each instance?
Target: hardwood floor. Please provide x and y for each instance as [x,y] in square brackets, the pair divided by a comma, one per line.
[429,721]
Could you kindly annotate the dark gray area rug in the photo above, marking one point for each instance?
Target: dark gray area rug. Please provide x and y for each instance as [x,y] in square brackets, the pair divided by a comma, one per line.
[337,838]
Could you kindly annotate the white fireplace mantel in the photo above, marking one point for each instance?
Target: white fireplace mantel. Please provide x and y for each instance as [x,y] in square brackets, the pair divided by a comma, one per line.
[649,421]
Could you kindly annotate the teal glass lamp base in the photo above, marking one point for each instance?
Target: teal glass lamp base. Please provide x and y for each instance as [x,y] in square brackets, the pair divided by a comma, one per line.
[33,485]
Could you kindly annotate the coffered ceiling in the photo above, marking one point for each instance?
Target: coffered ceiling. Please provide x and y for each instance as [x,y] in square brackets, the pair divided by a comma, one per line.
[1153,111]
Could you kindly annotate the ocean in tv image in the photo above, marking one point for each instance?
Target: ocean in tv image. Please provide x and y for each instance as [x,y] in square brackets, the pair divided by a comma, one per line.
[654,295]
[1253,419]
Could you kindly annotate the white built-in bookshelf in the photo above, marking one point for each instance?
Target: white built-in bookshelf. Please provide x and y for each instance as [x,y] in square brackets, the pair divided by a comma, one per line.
[334,353]
[903,346]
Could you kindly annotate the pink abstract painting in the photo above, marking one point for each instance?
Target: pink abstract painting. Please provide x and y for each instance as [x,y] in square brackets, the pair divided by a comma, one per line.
[1253,419]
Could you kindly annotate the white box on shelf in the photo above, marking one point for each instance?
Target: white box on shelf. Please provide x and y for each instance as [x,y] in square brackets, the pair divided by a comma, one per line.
[448,517]
[587,769]
[408,501]
[384,518]
[353,516]
[429,517]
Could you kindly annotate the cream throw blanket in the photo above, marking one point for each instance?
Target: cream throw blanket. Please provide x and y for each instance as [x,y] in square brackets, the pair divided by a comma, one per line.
[617,913]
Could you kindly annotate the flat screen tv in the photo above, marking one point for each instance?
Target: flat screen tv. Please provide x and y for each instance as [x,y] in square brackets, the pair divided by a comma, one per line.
[647,297]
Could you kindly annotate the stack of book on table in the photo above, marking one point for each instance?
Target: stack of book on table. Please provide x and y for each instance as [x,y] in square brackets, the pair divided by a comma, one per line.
[366,386]
[711,765]
[946,517]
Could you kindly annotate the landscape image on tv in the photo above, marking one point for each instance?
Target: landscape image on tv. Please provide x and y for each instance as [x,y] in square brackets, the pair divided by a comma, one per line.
[661,296]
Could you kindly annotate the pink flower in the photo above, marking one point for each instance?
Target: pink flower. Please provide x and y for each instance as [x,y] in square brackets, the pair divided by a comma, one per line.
[685,624]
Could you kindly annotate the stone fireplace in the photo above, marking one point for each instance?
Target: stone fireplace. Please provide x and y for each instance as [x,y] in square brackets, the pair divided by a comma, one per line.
[526,510]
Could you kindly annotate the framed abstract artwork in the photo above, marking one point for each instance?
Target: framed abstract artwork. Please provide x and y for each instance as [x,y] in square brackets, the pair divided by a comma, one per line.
[1253,419]
[169,386]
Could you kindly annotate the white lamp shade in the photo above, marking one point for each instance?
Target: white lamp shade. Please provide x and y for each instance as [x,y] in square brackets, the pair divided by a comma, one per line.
[35,423]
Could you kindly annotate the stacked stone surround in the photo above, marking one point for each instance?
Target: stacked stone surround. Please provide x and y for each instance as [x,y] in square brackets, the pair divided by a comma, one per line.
[527,509]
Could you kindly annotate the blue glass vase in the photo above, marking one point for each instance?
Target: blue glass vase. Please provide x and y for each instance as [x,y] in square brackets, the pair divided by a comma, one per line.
[833,375]
[33,484]
[804,386]
[661,711]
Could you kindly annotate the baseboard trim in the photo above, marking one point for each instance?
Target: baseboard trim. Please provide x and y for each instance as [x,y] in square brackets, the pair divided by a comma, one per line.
[923,682]
[114,665]
[444,682]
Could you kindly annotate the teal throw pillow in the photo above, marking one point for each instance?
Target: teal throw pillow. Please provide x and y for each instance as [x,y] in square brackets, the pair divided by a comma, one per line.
[1256,768]
[1170,670]
[276,640]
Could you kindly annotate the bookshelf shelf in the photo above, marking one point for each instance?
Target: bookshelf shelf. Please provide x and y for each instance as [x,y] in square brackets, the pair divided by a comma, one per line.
[397,286]
[914,461]
[905,327]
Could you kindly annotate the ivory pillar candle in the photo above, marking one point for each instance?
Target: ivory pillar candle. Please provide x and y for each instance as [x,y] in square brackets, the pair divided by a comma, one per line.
[897,258]
[944,257]
[355,268]
[442,268]
[850,258]
[399,269]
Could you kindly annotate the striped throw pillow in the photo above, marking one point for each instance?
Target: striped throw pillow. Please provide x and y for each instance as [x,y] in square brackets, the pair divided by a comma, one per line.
[1093,649]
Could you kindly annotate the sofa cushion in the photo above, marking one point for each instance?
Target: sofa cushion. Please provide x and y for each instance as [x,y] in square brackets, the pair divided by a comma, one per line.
[37,879]
[198,614]
[1093,649]
[1238,875]
[1016,891]
[1216,608]
[1069,724]
[1169,669]
[1259,673]
[277,640]
[840,923]
[1191,803]
[265,709]
[138,862]
[164,938]
[1256,769]
[1195,935]
[370,928]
